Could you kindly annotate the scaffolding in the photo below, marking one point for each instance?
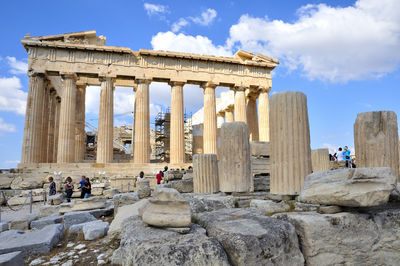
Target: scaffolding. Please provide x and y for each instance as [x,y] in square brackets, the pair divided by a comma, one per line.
[162,135]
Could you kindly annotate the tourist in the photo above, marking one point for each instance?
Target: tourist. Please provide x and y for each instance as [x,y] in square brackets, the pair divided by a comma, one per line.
[87,188]
[339,155]
[346,156]
[69,188]
[159,177]
[52,187]
[165,170]
[82,183]
[141,176]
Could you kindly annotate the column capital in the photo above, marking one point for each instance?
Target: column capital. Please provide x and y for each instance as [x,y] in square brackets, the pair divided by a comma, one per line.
[176,83]
[36,74]
[264,89]
[68,75]
[209,84]
[239,88]
[143,81]
[252,94]
[230,108]
[221,113]
[106,78]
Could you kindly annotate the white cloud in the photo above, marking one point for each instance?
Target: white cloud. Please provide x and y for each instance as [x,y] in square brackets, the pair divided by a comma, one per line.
[206,17]
[17,67]
[179,24]
[153,9]
[170,41]
[4,127]
[12,98]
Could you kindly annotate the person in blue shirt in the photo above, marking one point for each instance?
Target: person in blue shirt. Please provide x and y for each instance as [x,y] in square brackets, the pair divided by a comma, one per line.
[82,183]
[346,156]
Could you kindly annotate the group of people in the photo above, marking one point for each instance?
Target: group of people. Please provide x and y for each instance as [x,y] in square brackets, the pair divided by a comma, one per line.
[85,187]
[343,155]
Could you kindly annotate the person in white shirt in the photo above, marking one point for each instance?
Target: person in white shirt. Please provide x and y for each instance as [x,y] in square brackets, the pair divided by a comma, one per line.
[340,154]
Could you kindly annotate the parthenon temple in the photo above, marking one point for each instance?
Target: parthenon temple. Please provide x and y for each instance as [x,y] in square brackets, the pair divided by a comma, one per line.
[62,66]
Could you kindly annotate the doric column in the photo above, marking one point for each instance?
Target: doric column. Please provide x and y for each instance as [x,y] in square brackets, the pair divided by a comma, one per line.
[66,132]
[31,145]
[263,114]
[320,160]
[210,120]
[80,134]
[220,119]
[229,114]
[45,124]
[177,144]
[51,125]
[142,122]
[56,127]
[240,104]
[106,121]
[252,119]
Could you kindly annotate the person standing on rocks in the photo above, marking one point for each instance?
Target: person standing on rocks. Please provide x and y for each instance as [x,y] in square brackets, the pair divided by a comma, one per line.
[87,188]
[346,156]
[69,187]
[159,177]
[339,155]
[82,183]
[52,188]
[165,170]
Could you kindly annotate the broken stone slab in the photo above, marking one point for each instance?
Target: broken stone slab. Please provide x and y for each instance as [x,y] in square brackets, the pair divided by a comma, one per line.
[145,245]
[39,224]
[250,238]
[167,209]
[26,183]
[48,210]
[5,182]
[3,226]
[329,209]
[77,228]
[305,207]
[270,207]
[98,191]
[125,212]
[31,243]
[261,183]
[183,185]
[359,187]
[72,218]
[95,230]
[96,202]
[56,199]
[124,199]
[208,202]
[17,200]
[15,258]
[98,213]
[22,222]
[143,188]
[65,207]
[348,238]
[110,193]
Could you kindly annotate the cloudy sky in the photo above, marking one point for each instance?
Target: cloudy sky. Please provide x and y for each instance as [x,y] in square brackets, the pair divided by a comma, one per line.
[344,55]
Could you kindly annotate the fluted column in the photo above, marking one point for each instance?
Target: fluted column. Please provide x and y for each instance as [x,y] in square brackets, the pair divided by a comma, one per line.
[45,124]
[290,142]
[205,173]
[210,120]
[142,122]
[56,128]
[252,119]
[106,122]
[320,160]
[51,124]
[229,115]
[263,114]
[31,145]
[240,104]
[66,132]
[177,144]
[80,134]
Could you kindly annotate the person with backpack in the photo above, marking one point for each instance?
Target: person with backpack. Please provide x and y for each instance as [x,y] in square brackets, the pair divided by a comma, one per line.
[346,156]
[87,188]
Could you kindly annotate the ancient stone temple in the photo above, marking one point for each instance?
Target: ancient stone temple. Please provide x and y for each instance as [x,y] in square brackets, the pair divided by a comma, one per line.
[62,66]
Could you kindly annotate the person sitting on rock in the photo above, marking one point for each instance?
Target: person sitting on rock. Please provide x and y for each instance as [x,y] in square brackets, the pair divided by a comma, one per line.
[69,188]
[82,183]
[159,177]
[141,176]
[87,188]
[52,188]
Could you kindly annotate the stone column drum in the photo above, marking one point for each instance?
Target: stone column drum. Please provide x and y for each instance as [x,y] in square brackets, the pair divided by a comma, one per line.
[106,122]
[177,149]
[142,122]
[229,115]
[205,173]
[320,160]
[376,140]
[290,142]
[240,105]
[66,132]
[210,120]
[235,166]
[263,114]
[31,145]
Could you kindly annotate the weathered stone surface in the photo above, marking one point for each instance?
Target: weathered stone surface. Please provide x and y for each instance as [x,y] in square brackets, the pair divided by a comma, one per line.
[329,209]
[3,226]
[124,199]
[269,207]
[348,238]
[261,183]
[359,187]
[320,160]
[143,188]
[97,191]
[376,140]
[98,213]
[211,202]
[183,185]
[31,243]
[55,199]
[77,218]
[144,245]
[125,212]
[305,207]
[173,174]
[91,203]
[395,194]
[167,209]
[5,182]
[95,230]
[47,210]
[205,173]
[235,166]
[110,193]
[77,228]
[260,148]
[290,135]
[15,258]
[22,222]
[65,207]
[26,183]
[41,223]
[250,238]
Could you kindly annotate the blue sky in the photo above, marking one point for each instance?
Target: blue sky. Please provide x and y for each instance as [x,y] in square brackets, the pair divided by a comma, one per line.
[344,55]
